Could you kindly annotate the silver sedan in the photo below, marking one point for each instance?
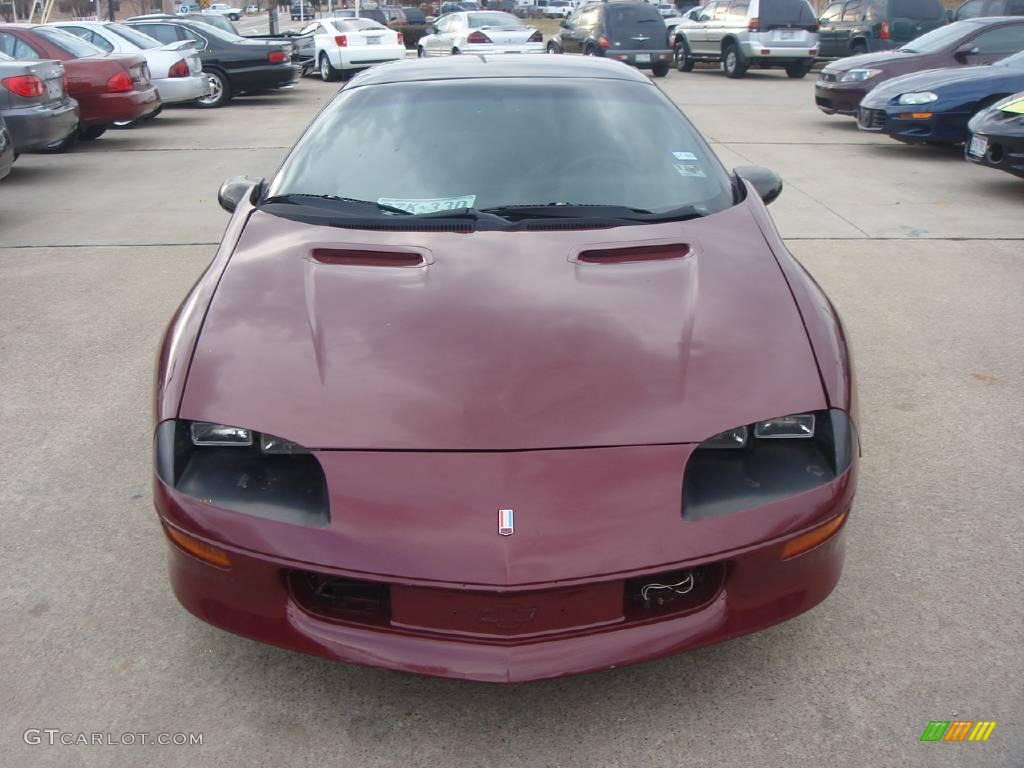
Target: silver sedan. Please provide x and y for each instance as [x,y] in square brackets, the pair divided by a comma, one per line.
[480,32]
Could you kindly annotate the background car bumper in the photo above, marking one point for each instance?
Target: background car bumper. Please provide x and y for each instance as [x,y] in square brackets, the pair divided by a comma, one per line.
[496,48]
[177,90]
[753,50]
[114,107]
[646,60]
[264,77]
[747,589]
[366,56]
[37,127]
[833,98]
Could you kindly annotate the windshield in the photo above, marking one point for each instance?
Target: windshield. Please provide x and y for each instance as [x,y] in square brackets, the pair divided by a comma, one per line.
[1016,61]
[134,37]
[473,144]
[73,46]
[941,38]
[494,19]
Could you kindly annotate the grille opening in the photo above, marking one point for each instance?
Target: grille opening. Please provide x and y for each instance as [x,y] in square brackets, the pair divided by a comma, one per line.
[672,592]
[335,597]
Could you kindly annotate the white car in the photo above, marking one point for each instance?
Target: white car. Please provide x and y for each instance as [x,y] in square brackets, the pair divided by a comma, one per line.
[253,9]
[174,68]
[224,10]
[667,10]
[557,9]
[480,32]
[344,45]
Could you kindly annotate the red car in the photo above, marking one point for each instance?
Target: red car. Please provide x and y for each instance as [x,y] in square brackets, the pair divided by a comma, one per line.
[442,406]
[108,87]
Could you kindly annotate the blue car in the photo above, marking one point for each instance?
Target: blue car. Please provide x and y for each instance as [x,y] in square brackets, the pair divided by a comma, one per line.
[934,106]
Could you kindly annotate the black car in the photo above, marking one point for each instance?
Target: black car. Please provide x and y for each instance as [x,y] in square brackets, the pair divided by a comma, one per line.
[415,26]
[213,19]
[853,27]
[235,65]
[972,9]
[631,32]
[996,136]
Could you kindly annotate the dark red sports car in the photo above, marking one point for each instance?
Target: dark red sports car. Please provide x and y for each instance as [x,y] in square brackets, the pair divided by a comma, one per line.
[443,405]
[108,87]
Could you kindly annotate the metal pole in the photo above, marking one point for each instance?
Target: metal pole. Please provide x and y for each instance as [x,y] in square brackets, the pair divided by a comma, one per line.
[110,10]
[272,18]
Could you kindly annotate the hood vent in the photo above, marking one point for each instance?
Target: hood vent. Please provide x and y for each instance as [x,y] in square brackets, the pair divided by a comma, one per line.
[364,258]
[633,253]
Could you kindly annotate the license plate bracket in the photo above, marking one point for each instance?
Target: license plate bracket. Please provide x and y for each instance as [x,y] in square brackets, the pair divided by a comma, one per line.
[978,146]
[643,58]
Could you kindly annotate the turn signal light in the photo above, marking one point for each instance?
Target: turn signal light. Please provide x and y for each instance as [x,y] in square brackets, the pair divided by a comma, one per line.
[27,86]
[478,37]
[883,33]
[178,69]
[200,549]
[753,26]
[603,42]
[341,41]
[119,83]
[915,115]
[812,538]
[277,57]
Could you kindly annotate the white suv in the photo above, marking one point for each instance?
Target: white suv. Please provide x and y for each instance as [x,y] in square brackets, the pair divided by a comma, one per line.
[744,33]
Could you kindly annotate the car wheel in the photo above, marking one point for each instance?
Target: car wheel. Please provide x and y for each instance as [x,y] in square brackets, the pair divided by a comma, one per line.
[681,56]
[553,49]
[456,52]
[327,70]
[660,70]
[732,61]
[419,52]
[858,47]
[798,69]
[220,91]
[126,123]
[91,133]
[590,51]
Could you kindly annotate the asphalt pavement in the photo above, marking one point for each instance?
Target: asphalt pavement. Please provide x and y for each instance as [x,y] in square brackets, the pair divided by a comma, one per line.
[923,255]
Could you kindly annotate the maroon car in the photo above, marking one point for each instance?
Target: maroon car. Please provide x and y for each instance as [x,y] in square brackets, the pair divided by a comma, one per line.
[443,407]
[843,83]
[108,87]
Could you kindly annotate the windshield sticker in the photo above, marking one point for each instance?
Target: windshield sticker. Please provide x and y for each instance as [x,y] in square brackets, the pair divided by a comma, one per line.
[687,169]
[684,156]
[1014,107]
[429,204]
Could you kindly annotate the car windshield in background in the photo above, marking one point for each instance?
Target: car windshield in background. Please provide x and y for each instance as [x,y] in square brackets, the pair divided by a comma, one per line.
[775,13]
[414,15]
[917,10]
[1016,61]
[211,31]
[941,38]
[133,36]
[70,44]
[622,17]
[472,144]
[493,19]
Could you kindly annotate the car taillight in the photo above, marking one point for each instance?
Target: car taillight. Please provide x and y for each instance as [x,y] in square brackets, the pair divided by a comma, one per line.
[753,26]
[64,81]
[536,37]
[28,86]
[277,57]
[884,32]
[477,37]
[603,41]
[401,39]
[119,83]
[341,40]
[178,69]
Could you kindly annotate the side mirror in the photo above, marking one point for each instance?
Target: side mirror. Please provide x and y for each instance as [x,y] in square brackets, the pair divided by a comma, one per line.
[766,181]
[234,190]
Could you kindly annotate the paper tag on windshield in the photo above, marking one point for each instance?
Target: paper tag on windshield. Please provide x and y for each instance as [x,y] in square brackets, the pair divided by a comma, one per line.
[429,204]
[687,169]
[684,156]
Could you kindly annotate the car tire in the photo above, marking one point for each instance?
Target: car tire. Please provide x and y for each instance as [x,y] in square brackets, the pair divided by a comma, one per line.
[681,57]
[798,69]
[659,70]
[91,133]
[125,124]
[327,71]
[456,52]
[858,47]
[419,52]
[553,49]
[220,90]
[590,51]
[732,61]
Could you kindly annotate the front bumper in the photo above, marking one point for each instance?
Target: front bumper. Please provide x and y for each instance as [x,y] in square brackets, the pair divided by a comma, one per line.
[1003,152]
[640,59]
[839,98]
[33,128]
[506,633]
[179,90]
[896,121]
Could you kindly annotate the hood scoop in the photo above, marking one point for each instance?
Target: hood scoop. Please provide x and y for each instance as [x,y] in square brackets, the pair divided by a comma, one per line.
[633,253]
[361,257]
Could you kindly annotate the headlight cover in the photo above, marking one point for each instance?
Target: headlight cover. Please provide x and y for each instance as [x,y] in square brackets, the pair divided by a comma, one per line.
[781,457]
[242,470]
[921,97]
[858,75]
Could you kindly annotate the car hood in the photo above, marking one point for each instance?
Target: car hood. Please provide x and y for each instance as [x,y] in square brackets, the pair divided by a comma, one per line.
[502,341]
[935,80]
[881,60]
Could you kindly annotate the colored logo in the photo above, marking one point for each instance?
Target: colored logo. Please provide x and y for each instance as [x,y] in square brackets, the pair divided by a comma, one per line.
[506,522]
[958,730]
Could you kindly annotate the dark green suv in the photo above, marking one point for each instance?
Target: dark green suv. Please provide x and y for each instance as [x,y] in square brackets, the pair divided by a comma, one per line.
[851,27]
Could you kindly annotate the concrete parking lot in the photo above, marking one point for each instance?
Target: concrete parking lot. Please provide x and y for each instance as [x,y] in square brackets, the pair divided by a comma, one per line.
[922,254]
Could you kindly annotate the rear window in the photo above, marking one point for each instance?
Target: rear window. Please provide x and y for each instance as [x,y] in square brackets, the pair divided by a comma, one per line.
[776,12]
[133,36]
[375,14]
[918,10]
[476,138]
[477,20]
[414,16]
[624,16]
[355,25]
[73,46]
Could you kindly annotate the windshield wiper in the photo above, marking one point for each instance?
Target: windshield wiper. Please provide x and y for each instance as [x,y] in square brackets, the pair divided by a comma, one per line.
[295,198]
[593,211]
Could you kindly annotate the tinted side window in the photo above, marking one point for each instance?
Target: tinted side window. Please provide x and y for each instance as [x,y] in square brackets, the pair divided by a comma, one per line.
[781,12]
[16,48]
[589,17]
[100,42]
[918,10]
[165,33]
[971,10]
[833,12]
[1014,8]
[737,10]
[852,11]
[1003,40]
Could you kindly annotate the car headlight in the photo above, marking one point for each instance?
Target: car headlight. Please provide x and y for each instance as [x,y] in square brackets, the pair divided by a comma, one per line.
[242,470]
[775,459]
[922,97]
[858,75]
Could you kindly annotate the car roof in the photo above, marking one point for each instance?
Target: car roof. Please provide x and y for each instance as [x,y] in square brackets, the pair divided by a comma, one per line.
[478,66]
